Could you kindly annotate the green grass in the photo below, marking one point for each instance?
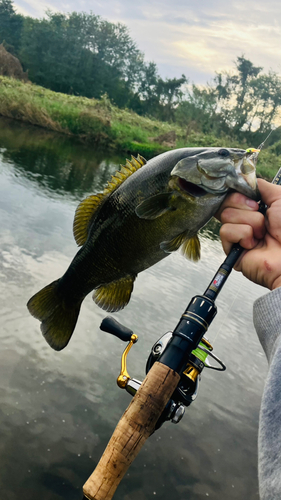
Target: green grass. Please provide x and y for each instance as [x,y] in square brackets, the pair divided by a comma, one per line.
[101,123]
[268,164]
[92,120]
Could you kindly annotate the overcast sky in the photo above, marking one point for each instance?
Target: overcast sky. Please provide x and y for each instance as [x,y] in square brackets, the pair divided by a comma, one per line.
[194,37]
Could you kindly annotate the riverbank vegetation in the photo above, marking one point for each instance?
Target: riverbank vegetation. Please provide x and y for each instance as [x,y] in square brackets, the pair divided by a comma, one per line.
[94,121]
[88,78]
[100,123]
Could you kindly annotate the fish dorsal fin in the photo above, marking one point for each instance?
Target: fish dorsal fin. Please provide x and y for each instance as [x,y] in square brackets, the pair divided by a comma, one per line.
[88,207]
[190,247]
[83,216]
[120,176]
[115,295]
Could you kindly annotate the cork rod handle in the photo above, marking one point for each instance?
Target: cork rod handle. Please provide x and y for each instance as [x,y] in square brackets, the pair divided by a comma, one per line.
[134,427]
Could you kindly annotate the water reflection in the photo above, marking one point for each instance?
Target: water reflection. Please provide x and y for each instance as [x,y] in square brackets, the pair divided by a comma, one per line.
[54,161]
[58,410]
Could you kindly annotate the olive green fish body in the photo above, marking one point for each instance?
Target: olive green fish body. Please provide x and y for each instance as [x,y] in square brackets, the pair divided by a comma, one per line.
[124,243]
[126,250]
[147,211]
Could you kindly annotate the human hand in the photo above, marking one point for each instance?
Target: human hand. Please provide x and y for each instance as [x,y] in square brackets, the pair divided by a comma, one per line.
[259,235]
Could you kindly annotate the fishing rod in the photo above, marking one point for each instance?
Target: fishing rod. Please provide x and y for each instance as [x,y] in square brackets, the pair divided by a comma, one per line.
[173,369]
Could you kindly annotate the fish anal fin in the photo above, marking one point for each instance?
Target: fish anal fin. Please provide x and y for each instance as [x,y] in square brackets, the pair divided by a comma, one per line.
[115,295]
[83,216]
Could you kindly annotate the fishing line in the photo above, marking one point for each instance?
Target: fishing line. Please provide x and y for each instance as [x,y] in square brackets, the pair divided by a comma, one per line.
[263,143]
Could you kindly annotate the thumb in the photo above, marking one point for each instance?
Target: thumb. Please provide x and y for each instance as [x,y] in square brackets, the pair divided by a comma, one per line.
[269,192]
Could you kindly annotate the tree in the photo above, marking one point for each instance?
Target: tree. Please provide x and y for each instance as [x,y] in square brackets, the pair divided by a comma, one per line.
[267,92]
[82,54]
[158,97]
[245,100]
[248,99]
[170,94]
[10,26]
[200,110]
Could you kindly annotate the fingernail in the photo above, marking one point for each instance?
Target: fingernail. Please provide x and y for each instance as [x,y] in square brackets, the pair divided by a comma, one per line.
[252,203]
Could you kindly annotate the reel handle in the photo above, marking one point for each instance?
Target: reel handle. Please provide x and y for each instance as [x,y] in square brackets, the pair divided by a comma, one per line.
[112,326]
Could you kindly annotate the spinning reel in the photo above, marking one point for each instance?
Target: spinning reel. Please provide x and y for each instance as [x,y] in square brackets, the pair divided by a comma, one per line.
[187,389]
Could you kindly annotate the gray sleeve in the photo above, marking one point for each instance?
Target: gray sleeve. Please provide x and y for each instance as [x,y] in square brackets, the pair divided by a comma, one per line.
[267,321]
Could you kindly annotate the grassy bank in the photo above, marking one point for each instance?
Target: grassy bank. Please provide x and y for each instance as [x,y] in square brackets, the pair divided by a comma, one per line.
[94,121]
[100,123]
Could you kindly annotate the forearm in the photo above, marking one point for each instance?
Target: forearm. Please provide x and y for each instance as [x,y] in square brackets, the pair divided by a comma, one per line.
[267,320]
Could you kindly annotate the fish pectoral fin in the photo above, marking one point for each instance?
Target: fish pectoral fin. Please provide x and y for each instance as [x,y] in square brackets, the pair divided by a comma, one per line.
[190,247]
[115,295]
[83,215]
[157,205]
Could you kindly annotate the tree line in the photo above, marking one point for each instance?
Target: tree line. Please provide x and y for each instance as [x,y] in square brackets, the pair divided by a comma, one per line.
[83,54]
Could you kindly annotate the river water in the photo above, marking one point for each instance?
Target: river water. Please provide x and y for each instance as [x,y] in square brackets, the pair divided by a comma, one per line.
[59,409]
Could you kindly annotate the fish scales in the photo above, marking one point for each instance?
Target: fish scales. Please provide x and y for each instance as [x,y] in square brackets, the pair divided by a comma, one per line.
[147,211]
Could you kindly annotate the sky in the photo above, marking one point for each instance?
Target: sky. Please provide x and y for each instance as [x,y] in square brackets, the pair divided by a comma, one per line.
[191,37]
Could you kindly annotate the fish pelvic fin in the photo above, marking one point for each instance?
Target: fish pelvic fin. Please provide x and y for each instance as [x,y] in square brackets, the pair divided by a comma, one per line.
[190,247]
[115,295]
[174,244]
[87,208]
[57,320]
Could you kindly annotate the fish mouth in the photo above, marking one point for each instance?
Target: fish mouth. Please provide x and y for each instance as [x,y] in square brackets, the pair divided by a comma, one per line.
[248,168]
[247,171]
[190,188]
[198,177]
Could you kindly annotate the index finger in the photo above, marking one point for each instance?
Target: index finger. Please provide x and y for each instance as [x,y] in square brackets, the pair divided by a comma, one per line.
[237,200]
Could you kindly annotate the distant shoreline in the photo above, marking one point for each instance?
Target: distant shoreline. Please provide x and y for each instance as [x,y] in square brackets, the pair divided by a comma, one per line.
[93,121]
[102,124]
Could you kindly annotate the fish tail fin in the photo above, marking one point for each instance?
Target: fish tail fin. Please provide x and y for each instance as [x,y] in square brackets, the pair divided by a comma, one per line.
[58,319]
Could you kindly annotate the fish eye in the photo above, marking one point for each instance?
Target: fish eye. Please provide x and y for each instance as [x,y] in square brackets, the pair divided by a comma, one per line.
[224,152]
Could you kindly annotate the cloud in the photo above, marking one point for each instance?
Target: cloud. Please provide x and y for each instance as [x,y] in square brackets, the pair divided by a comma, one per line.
[186,36]
[34,8]
[211,49]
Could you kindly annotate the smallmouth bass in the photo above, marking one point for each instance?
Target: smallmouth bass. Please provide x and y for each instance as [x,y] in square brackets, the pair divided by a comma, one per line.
[146,211]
